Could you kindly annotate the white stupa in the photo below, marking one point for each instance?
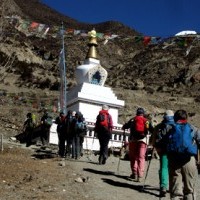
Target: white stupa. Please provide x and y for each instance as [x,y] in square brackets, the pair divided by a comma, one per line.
[90,94]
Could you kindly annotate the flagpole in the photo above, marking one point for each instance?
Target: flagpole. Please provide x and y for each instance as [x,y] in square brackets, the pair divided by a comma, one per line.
[63,88]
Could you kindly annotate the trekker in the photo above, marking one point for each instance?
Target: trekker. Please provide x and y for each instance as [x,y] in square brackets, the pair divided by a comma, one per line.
[138,126]
[181,150]
[159,134]
[82,134]
[28,128]
[45,122]
[61,130]
[79,128]
[103,128]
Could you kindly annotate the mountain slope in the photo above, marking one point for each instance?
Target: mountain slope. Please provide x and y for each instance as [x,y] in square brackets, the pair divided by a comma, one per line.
[31,62]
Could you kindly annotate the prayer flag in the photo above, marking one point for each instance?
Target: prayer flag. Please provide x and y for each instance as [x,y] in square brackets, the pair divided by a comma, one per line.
[34,25]
[146,40]
[40,27]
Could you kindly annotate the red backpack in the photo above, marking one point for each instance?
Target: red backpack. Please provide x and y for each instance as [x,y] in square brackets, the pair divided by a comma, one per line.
[140,125]
[103,119]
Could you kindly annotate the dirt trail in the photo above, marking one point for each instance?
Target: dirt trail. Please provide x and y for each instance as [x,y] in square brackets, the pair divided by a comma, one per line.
[30,173]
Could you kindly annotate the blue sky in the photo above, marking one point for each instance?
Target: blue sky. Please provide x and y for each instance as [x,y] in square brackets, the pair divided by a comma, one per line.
[149,17]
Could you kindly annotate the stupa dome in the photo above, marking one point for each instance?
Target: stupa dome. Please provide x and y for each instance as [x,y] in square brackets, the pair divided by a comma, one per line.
[91,71]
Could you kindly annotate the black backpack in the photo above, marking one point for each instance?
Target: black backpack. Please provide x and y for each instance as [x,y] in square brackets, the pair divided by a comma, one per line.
[161,135]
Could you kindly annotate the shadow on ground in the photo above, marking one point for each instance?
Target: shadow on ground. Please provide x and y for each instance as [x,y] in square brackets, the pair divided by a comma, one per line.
[44,154]
[140,188]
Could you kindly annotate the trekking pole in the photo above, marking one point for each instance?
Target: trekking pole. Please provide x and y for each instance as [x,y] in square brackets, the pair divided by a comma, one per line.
[93,142]
[198,161]
[88,148]
[121,148]
[1,142]
[148,169]
[87,145]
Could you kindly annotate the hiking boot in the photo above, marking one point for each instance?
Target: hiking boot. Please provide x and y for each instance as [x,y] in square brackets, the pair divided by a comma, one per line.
[67,156]
[77,157]
[133,176]
[28,144]
[139,179]
[43,147]
[163,192]
[104,161]
[100,160]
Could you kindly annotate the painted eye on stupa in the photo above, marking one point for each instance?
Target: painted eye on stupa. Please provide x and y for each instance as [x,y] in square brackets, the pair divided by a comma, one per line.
[96,78]
[97,75]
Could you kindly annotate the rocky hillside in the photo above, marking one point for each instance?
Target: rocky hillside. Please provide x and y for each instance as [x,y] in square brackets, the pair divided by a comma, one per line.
[29,62]
[32,57]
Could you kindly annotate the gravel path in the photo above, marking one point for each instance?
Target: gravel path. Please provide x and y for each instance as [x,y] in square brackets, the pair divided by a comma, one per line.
[47,177]
[107,183]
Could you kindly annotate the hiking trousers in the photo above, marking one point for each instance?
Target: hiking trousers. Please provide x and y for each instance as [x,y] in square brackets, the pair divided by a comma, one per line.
[137,151]
[44,136]
[61,144]
[163,172]
[76,147]
[104,138]
[182,178]
[69,146]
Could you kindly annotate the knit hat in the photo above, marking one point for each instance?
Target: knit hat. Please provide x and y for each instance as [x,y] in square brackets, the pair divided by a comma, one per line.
[105,107]
[169,113]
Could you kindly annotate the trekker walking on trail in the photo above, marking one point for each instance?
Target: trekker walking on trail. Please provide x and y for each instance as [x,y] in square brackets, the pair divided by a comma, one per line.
[69,132]
[138,126]
[182,141]
[28,128]
[79,128]
[81,131]
[159,134]
[103,128]
[61,130]
[45,123]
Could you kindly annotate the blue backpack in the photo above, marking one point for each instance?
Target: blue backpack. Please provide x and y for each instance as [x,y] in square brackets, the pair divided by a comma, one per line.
[180,140]
[81,128]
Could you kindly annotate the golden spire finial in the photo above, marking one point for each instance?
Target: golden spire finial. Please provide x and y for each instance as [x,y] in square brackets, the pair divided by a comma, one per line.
[92,52]
[92,33]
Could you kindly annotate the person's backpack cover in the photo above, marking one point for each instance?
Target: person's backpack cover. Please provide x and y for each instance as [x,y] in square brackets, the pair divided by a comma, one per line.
[180,140]
[103,119]
[139,127]
[33,118]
